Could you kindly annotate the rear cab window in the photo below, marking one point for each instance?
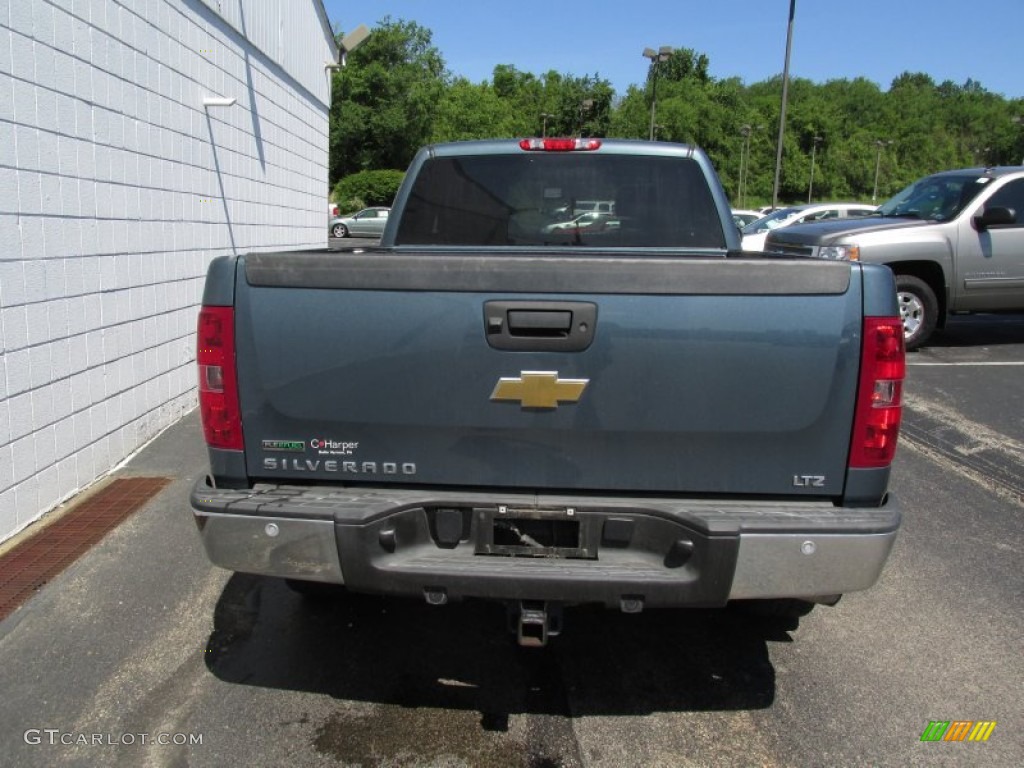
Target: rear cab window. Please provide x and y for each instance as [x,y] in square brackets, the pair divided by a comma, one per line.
[553,199]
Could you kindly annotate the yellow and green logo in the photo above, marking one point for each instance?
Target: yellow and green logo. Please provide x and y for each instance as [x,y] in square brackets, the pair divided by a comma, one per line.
[958,730]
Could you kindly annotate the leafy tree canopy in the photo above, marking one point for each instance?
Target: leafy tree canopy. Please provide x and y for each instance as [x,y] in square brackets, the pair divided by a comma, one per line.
[396,94]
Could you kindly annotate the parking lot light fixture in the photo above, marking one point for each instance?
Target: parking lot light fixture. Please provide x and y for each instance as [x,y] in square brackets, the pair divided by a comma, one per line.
[745,131]
[879,145]
[351,41]
[657,57]
[815,140]
[544,116]
[782,110]
[586,107]
[1019,120]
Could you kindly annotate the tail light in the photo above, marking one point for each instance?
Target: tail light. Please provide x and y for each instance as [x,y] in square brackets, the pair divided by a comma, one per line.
[876,424]
[559,145]
[218,383]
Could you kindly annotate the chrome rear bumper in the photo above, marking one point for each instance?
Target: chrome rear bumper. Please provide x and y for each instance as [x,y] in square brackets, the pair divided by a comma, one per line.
[666,551]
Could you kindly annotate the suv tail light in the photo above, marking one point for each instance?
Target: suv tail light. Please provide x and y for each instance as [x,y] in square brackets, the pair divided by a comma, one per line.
[218,385]
[876,423]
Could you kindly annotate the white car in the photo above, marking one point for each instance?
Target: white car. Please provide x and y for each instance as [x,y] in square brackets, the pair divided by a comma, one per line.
[742,217]
[755,233]
[590,222]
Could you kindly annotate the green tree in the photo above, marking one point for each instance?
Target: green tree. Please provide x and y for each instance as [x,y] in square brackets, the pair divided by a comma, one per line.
[583,106]
[396,95]
[384,102]
[468,111]
[367,188]
[682,64]
[631,117]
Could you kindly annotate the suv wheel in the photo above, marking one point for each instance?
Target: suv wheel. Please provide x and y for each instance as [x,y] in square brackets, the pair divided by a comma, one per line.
[919,309]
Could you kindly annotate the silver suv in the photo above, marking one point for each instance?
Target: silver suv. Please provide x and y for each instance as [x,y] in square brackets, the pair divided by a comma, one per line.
[954,240]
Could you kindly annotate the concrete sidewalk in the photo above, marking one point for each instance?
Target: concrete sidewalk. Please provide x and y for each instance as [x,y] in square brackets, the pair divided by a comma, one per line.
[130,618]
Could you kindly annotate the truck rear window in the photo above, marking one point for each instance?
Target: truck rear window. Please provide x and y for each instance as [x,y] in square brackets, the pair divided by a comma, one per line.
[561,199]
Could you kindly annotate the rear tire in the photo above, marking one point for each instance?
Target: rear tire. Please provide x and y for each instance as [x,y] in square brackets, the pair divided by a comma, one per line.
[919,309]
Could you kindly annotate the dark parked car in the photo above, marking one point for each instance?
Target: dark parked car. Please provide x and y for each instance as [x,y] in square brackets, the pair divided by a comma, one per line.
[367,223]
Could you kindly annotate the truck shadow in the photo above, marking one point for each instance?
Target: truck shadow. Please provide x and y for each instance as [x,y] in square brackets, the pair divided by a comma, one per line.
[979,330]
[461,656]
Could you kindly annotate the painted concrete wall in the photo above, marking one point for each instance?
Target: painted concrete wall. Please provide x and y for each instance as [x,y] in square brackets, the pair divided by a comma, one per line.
[117,188]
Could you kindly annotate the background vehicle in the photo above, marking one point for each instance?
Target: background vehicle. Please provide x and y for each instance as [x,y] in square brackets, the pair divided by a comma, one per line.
[643,418]
[368,222]
[754,234]
[742,217]
[593,222]
[595,206]
[955,241]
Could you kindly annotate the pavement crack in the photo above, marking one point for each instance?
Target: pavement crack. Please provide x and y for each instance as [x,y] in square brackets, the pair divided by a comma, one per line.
[972,450]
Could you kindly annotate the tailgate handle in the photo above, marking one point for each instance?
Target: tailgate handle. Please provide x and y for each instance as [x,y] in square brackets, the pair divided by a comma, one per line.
[540,326]
[539,322]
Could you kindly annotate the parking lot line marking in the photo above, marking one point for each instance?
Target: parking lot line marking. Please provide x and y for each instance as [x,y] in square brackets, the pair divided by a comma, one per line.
[942,365]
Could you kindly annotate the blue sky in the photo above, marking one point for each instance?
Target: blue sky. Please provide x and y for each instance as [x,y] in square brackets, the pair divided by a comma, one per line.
[877,39]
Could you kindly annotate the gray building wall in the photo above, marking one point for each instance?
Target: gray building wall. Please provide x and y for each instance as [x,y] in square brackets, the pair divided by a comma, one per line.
[117,188]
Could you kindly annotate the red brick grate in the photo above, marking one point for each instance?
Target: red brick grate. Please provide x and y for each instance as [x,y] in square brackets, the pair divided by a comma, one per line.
[28,566]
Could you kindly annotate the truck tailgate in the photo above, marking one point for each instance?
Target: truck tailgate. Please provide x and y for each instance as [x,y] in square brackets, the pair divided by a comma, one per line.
[697,376]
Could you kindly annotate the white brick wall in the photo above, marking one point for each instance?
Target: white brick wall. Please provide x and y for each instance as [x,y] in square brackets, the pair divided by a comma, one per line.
[117,188]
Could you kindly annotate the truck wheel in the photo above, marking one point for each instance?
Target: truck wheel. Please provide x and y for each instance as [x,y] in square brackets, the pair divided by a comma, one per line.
[919,309]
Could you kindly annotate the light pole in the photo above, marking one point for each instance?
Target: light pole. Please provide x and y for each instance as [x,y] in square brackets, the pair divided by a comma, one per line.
[782,111]
[815,140]
[544,125]
[585,106]
[656,57]
[745,131]
[1019,120]
[879,144]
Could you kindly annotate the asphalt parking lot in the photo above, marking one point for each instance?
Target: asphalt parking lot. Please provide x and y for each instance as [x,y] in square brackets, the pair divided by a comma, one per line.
[143,638]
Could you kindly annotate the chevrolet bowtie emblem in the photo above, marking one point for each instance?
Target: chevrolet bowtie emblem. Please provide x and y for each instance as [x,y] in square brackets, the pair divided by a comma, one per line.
[539,389]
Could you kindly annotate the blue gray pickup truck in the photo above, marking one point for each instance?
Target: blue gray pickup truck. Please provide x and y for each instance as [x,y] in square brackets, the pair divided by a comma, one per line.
[636,414]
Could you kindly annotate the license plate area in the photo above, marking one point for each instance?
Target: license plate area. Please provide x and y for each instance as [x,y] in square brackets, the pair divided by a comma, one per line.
[552,533]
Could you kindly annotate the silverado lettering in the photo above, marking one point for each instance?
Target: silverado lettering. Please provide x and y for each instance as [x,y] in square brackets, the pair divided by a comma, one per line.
[331,465]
